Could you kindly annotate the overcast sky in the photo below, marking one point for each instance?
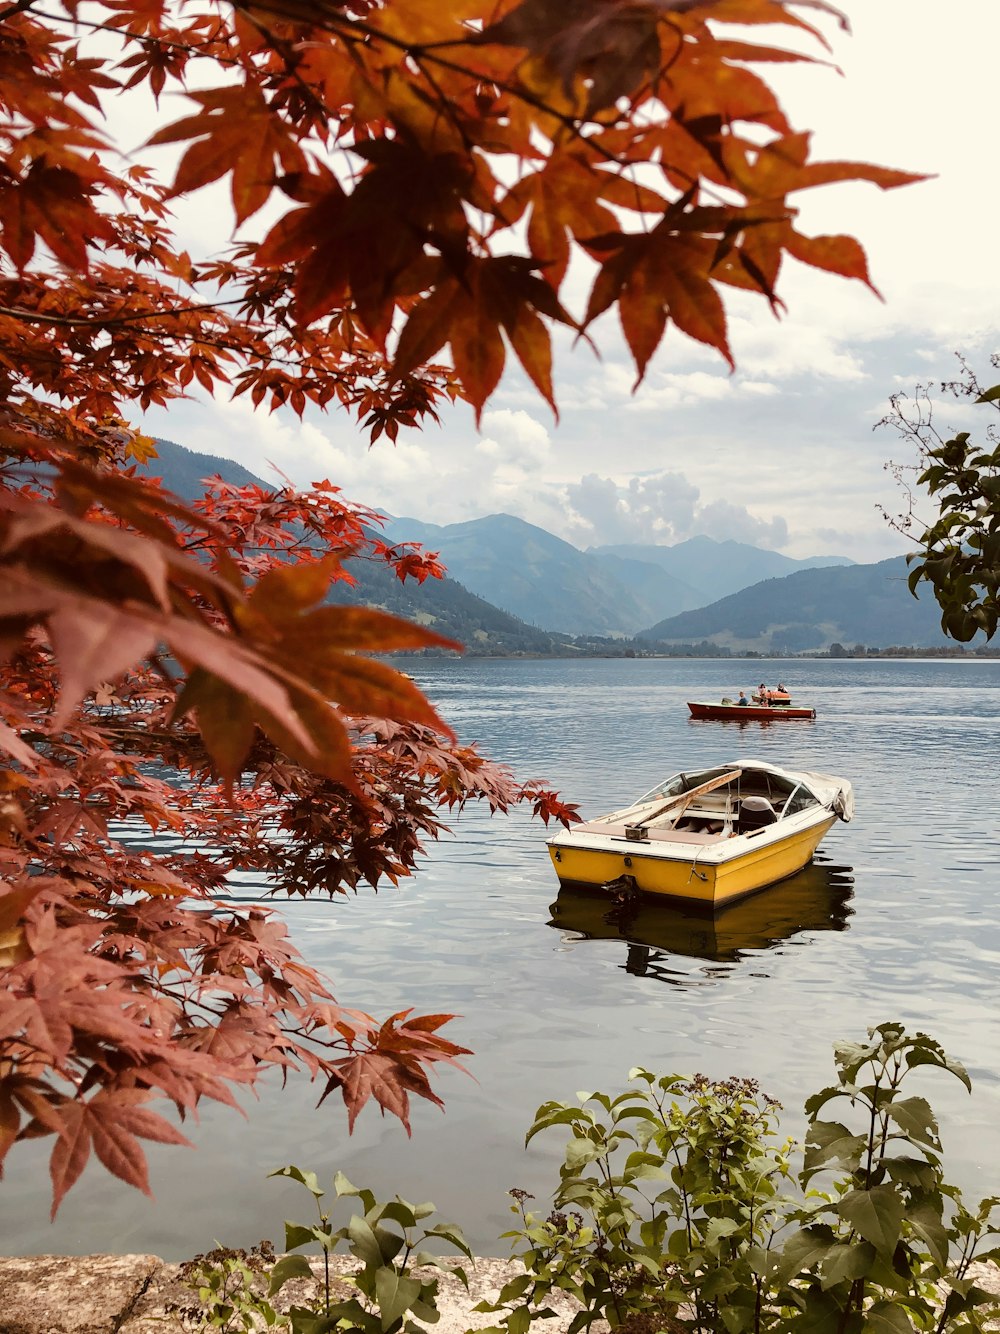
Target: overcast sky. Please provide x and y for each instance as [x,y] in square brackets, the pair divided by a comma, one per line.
[783,452]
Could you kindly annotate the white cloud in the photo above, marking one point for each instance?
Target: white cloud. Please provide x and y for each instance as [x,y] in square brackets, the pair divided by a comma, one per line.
[782,452]
[514,437]
[725,521]
[663,509]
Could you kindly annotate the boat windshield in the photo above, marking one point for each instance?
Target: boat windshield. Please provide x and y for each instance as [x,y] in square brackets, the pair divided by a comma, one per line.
[678,783]
[788,795]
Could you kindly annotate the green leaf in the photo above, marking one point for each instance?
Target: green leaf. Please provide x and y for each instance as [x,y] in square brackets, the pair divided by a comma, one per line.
[849,1057]
[427,1312]
[579,1152]
[912,1172]
[640,1072]
[364,1243]
[820,1099]
[888,1318]
[397,1211]
[351,1313]
[343,1187]
[829,1143]
[877,1214]
[554,1114]
[394,1295]
[820,1315]
[514,1288]
[390,1243]
[926,1221]
[717,1229]
[307,1179]
[802,1251]
[914,1116]
[519,1320]
[846,1263]
[453,1233]
[296,1235]
[929,1053]
[989,395]
[289,1266]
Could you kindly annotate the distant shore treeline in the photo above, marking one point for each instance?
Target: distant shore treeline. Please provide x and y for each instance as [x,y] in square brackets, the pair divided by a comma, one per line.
[596,647]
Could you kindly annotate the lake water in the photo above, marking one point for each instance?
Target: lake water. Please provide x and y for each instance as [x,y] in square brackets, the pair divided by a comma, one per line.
[897,919]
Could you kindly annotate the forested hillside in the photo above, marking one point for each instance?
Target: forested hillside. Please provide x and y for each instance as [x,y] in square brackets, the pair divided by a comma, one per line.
[809,610]
[442,604]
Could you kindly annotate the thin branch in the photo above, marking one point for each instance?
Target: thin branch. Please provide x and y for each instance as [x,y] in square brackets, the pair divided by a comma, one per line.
[196,52]
[112,321]
[21,7]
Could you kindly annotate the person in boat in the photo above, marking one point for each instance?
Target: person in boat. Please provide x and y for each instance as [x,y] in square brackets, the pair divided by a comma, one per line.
[763,694]
[782,690]
[742,699]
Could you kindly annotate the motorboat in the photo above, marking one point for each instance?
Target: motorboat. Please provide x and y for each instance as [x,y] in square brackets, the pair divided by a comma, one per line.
[779,697]
[709,837]
[728,708]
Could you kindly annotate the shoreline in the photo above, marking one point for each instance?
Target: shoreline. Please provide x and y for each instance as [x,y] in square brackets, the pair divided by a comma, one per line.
[135,1294]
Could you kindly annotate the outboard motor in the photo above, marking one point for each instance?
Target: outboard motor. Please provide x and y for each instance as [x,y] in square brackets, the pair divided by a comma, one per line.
[754,813]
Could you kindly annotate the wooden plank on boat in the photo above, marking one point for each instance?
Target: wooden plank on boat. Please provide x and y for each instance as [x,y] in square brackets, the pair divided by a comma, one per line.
[683,799]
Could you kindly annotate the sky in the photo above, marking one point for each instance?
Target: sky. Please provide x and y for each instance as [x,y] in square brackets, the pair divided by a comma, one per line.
[785,452]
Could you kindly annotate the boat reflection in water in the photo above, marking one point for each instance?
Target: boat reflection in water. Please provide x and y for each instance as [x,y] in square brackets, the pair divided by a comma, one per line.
[817,898]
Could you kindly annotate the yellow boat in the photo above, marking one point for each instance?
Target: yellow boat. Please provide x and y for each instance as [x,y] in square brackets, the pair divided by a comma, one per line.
[709,837]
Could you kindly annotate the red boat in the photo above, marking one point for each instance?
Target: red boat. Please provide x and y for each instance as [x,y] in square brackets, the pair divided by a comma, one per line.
[763,713]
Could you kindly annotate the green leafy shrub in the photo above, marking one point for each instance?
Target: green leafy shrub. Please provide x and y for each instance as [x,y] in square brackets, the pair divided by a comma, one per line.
[386,1239]
[228,1286]
[677,1208]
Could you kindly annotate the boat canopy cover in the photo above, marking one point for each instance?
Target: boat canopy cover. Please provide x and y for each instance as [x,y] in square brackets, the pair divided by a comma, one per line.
[828,789]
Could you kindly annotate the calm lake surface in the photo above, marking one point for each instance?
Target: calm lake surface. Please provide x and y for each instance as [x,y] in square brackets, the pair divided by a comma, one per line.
[897,919]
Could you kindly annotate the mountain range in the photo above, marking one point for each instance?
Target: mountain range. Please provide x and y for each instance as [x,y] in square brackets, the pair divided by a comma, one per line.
[811,609]
[516,589]
[615,590]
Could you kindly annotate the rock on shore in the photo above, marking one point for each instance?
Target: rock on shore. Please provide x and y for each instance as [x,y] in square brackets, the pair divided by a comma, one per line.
[137,1294]
[134,1294]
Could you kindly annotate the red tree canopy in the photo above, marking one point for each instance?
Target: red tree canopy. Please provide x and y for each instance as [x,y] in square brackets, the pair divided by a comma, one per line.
[430,169]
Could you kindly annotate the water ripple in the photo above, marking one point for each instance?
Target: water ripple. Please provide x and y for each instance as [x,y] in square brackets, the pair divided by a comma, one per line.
[559,992]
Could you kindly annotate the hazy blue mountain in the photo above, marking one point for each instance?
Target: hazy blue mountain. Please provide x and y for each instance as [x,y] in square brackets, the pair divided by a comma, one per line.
[546,581]
[440,604]
[548,590]
[183,471]
[852,604]
[711,569]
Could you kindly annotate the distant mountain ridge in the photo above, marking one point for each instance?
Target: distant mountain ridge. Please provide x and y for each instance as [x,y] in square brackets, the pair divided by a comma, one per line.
[440,604]
[595,597]
[606,590]
[713,569]
[811,609]
[544,580]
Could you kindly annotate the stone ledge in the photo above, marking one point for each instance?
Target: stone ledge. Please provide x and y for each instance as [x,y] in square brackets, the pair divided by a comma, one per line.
[134,1294]
[60,1294]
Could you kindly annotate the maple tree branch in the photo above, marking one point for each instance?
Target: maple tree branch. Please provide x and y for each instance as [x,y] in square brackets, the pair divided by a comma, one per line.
[349,29]
[20,7]
[217,342]
[197,52]
[113,321]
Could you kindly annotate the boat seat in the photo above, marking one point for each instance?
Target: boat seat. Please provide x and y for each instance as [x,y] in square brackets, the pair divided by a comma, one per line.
[754,813]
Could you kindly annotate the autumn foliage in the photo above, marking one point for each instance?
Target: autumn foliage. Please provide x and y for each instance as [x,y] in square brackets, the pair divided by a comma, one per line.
[430,168]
